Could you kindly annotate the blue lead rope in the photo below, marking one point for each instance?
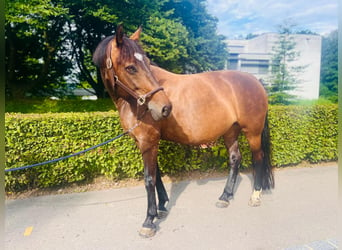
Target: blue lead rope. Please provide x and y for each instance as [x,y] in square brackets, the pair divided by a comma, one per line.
[69,156]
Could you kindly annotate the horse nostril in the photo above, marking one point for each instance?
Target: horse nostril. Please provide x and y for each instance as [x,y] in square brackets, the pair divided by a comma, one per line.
[166,110]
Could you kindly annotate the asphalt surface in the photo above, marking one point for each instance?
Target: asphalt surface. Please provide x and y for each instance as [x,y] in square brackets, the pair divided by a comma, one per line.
[300,213]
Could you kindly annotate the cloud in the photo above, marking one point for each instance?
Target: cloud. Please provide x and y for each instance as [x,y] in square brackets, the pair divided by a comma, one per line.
[238,17]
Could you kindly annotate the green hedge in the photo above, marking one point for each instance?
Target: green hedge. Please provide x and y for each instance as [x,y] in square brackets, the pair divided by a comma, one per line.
[297,134]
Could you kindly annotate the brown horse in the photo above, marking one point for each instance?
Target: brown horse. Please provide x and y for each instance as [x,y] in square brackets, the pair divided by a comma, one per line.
[188,109]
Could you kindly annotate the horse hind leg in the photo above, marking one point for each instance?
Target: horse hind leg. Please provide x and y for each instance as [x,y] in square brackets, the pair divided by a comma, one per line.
[262,169]
[257,158]
[235,161]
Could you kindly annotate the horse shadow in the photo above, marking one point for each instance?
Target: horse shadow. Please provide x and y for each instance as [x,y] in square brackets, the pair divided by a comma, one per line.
[178,187]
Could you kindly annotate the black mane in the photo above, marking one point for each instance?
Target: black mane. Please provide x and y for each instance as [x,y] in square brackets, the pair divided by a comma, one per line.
[100,52]
[128,48]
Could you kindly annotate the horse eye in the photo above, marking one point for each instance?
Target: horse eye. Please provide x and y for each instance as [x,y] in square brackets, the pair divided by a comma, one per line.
[131,69]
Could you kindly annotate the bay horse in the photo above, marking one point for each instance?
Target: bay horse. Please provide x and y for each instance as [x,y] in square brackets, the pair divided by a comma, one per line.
[190,109]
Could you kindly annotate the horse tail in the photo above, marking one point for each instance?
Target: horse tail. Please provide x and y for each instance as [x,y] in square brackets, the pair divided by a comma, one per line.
[267,172]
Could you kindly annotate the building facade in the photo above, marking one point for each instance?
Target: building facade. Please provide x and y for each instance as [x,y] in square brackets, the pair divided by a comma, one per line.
[254,56]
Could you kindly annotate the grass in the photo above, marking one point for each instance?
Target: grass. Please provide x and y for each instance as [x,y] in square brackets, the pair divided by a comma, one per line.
[320,101]
[39,106]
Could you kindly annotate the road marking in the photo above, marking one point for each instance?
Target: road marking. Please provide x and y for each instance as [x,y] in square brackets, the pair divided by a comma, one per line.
[316,245]
[332,243]
[28,231]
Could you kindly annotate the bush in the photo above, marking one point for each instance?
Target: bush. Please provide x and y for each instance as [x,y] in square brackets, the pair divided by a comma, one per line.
[304,134]
[297,134]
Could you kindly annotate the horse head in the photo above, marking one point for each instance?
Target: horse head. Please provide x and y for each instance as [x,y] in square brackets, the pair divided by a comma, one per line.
[125,70]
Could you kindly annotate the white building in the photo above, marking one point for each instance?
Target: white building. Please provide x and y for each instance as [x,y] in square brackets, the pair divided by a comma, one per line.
[254,56]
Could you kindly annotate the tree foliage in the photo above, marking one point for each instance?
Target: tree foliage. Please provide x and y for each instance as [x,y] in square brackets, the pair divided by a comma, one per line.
[35,58]
[206,50]
[166,43]
[284,74]
[50,42]
[329,67]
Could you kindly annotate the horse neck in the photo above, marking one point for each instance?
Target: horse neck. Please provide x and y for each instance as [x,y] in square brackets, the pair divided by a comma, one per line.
[161,73]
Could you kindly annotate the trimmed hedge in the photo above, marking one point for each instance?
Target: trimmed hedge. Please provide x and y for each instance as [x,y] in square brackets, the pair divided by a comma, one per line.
[303,134]
[297,134]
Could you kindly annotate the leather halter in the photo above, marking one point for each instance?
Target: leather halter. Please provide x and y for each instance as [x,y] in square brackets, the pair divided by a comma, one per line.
[141,99]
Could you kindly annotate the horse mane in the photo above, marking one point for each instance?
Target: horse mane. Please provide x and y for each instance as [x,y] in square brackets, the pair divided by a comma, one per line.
[99,55]
[128,48]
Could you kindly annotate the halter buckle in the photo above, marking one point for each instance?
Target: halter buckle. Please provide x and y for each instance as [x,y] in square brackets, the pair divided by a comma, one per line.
[109,63]
[116,78]
[141,100]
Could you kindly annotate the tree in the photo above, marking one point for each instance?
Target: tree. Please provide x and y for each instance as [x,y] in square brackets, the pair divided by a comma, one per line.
[329,67]
[164,38]
[34,41]
[50,42]
[87,23]
[284,75]
[166,42]
[207,50]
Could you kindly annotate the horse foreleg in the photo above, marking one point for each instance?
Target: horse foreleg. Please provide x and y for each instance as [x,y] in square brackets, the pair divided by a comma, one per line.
[150,171]
[235,160]
[162,196]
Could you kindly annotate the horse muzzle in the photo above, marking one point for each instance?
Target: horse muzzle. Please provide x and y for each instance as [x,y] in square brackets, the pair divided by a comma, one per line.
[166,110]
[159,112]
[158,103]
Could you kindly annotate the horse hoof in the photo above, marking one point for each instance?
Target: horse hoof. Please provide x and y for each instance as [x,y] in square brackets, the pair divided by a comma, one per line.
[162,214]
[254,202]
[222,204]
[147,232]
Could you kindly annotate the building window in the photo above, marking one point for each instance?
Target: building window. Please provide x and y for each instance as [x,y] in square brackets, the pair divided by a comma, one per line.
[263,69]
[233,64]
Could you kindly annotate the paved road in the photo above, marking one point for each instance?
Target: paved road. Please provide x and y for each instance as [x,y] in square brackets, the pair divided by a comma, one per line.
[300,213]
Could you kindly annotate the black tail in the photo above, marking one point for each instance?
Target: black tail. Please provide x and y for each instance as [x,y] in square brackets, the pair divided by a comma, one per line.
[267,172]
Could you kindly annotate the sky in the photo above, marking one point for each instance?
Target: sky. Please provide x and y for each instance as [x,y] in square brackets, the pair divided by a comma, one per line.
[241,17]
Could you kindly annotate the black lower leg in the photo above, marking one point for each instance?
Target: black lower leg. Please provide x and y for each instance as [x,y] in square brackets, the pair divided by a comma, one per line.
[258,175]
[151,201]
[235,160]
[162,194]
[228,191]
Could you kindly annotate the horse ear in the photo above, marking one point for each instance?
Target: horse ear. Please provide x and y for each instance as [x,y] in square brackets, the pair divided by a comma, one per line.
[136,35]
[119,34]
